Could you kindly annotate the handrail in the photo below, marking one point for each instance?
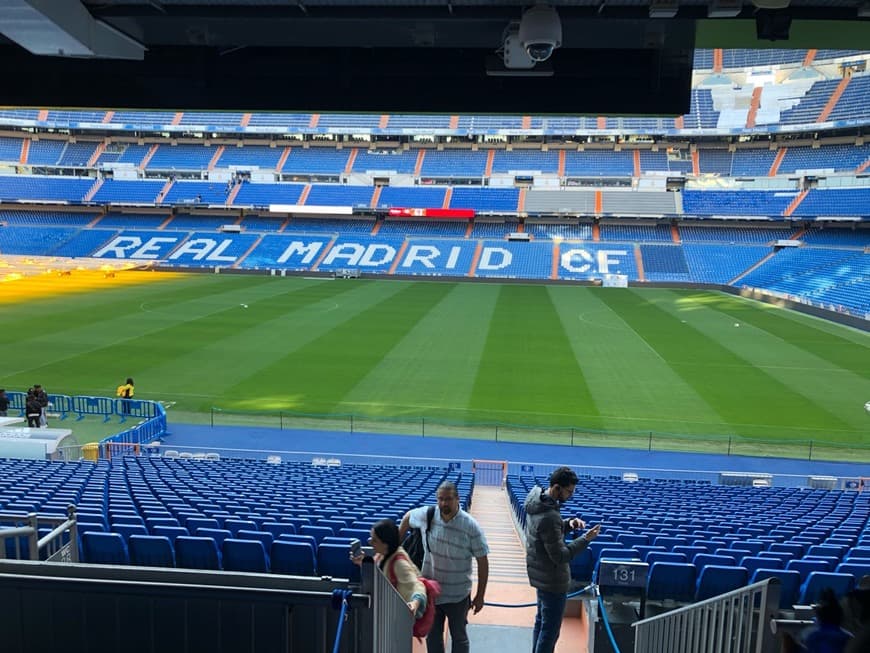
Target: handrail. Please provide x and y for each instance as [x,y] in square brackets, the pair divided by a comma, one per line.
[738,620]
[35,544]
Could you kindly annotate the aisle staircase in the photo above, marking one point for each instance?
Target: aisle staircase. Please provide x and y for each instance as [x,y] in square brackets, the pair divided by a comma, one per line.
[509,630]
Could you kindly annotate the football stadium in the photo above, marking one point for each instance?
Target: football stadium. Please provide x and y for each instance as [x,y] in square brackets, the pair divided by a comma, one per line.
[259,333]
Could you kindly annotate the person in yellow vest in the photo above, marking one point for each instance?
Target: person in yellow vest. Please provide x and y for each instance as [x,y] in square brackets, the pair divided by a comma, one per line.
[126,391]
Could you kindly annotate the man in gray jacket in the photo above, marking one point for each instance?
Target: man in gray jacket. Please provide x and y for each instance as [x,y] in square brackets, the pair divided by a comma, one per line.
[548,556]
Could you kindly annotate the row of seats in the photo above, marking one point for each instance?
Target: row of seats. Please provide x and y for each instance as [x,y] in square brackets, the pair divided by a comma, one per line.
[567,229]
[684,529]
[245,553]
[437,163]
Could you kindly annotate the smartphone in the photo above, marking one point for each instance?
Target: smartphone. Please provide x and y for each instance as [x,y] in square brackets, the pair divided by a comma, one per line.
[355,548]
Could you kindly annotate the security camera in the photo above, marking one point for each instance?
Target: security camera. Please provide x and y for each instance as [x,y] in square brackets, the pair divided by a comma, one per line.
[540,32]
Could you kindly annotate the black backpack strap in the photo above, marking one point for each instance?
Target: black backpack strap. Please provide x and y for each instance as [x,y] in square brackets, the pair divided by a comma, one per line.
[430,513]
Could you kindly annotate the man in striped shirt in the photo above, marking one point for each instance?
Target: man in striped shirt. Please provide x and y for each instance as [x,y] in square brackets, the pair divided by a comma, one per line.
[450,544]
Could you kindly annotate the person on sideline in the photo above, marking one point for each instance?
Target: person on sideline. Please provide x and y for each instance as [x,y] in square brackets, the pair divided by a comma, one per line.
[451,543]
[32,409]
[4,402]
[42,398]
[548,556]
[126,391]
[392,559]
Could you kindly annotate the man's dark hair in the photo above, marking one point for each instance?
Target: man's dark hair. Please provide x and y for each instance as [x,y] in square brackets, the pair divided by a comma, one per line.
[448,486]
[563,477]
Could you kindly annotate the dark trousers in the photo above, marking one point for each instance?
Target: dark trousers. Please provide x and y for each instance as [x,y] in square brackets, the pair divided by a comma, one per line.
[456,615]
[548,621]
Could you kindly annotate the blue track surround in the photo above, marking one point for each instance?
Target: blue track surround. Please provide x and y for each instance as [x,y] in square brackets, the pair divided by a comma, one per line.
[238,442]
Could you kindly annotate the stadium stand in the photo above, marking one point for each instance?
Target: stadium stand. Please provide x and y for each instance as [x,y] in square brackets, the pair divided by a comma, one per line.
[744,203]
[485,200]
[454,163]
[250,157]
[761,518]
[254,194]
[398,161]
[32,187]
[412,196]
[128,192]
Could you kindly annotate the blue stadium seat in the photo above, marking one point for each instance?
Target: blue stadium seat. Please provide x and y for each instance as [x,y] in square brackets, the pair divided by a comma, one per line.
[751,563]
[856,567]
[582,565]
[245,555]
[671,581]
[790,584]
[701,560]
[317,532]
[858,552]
[305,539]
[217,534]
[127,519]
[127,530]
[200,522]
[293,558]
[277,529]
[665,556]
[334,560]
[197,553]
[819,580]
[263,537]
[714,580]
[236,525]
[151,551]
[104,549]
[644,551]
[171,532]
[805,567]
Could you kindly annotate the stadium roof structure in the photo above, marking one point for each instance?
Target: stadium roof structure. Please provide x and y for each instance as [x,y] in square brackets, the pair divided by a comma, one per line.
[387,56]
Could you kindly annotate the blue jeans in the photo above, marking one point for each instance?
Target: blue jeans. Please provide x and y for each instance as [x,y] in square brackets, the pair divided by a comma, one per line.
[548,621]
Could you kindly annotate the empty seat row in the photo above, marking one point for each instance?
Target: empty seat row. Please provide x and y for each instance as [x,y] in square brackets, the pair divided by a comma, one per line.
[282,556]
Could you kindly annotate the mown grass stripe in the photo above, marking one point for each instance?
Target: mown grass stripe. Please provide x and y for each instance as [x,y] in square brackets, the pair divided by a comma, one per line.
[749,400]
[528,365]
[430,371]
[633,387]
[316,376]
[161,331]
[838,390]
[832,347]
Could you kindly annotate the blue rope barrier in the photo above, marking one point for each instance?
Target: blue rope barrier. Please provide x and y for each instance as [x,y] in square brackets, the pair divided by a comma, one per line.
[533,605]
[339,600]
[607,625]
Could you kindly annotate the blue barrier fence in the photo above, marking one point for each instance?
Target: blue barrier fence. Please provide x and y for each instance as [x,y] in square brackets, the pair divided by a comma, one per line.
[81,406]
[152,414]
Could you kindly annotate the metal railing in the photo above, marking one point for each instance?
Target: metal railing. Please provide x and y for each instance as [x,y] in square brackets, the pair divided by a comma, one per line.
[393,623]
[735,622]
[58,545]
[779,446]
[187,609]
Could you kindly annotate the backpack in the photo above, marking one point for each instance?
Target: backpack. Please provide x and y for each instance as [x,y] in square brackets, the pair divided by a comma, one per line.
[413,544]
[423,625]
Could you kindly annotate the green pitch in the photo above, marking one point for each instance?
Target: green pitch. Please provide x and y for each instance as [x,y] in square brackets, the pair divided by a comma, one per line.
[637,360]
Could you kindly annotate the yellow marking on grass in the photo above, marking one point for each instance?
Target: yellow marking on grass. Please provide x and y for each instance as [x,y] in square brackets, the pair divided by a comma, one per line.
[27,279]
